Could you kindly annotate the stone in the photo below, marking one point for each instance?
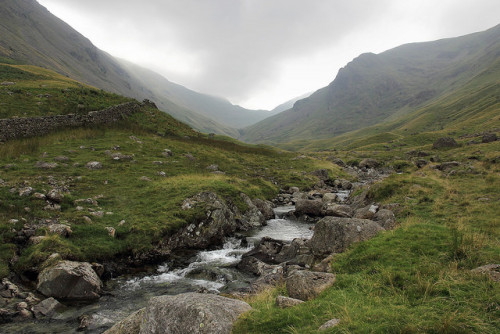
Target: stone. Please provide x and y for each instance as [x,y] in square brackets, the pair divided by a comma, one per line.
[294,190]
[213,168]
[329,324]
[161,173]
[25,314]
[309,207]
[7,315]
[337,210]
[367,212]
[189,156]
[252,216]
[47,308]
[385,218]
[21,306]
[297,252]
[335,234]
[25,191]
[192,313]
[492,270]
[337,161]
[489,137]
[70,280]
[266,250]
[39,196]
[129,325]
[445,166]
[87,219]
[61,229]
[111,231]
[324,265]
[369,163]
[52,207]
[94,165]
[61,158]
[265,207]
[55,196]
[322,174]
[444,142]
[46,165]
[306,285]
[329,198]
[421,163]
[286,302]
[145,178]
[167,153]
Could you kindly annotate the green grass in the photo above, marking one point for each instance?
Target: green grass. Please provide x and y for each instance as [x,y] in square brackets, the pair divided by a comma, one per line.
[40,92]
[151,209]
[416,278]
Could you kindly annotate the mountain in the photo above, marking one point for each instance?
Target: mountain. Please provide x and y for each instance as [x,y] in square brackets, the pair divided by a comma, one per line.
[30,34]
[383,87]
[289,104]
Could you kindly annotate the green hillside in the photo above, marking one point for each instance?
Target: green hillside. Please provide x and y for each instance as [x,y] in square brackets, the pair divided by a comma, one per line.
[131,189]
[386,87]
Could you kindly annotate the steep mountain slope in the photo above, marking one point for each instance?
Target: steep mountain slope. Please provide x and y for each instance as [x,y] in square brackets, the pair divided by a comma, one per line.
[375,88]
[289,104]
[30,34]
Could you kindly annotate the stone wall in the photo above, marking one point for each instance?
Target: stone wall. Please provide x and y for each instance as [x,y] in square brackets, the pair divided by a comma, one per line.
[12,128]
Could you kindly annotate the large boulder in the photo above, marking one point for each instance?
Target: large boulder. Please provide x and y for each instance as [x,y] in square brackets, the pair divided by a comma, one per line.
[335,234]
[192,313]
[129,325]
[489,137]
[306,285]
[265,207]
[296,252]
[369,163]
[253,217]
[266,250]
[70,280]
[309,207]
[337,210]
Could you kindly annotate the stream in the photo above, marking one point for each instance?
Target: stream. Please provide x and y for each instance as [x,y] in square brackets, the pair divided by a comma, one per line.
[208,271]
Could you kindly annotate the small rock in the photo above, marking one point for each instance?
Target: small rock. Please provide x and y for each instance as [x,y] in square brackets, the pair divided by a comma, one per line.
[35,240]
[306,285]
[52,207]
[25,313]
[47,308]
[167,153]
[145,178]
[61,158]
[189,156]
[84,322]
[13,221]
[492,270]
[213,167]
[87,219]
[369,163]
[25,191]
[162,174]
[111,231]
[39,196]
[329,324]
[61,229]
[285,302]
[46,165]
[55,195]
[94,165]
[21,306]
[31,299]
[489,137]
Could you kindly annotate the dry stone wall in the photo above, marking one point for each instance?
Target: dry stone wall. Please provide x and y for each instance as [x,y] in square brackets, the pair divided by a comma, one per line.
[12,128]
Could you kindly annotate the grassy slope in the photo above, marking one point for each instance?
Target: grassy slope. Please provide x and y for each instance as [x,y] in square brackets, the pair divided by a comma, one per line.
[150,209]
[416,278]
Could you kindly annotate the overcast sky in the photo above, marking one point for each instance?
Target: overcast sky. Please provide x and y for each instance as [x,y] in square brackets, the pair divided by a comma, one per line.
[260,53]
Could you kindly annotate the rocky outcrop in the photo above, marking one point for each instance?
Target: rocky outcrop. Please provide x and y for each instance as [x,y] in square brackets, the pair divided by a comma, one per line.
[444,142]
[335,234]
[191,313]
[306,285]
[265,207]
[253,217]
[70,280]
[492,270]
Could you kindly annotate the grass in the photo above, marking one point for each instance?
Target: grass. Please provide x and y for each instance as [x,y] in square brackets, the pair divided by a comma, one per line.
[416,278]
[151,208]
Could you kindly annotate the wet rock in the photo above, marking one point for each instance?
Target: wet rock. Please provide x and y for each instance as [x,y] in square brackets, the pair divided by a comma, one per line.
[489,137]
[306,285]
[492,270]
[47,308]
[265,207]
[337,210]
[286,302]
[329,324]
[266,250]
[192,313]
[297,253]
[329,198]
[85,321]
[309,207]
[444,142]
[94,165]
[252,217]
[70,280]
[61,229]
[129,325]
[252,265]
[385,218]
[335,234]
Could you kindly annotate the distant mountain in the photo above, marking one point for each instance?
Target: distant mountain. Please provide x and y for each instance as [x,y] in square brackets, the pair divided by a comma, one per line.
[289,104]
[382,88]
[32,35]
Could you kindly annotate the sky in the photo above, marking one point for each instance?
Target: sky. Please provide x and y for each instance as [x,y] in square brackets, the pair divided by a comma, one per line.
[261,53]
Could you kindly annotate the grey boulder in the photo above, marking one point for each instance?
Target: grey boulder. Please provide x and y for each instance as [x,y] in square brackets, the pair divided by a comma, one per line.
[306,285]
[70,280]
[192,313]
